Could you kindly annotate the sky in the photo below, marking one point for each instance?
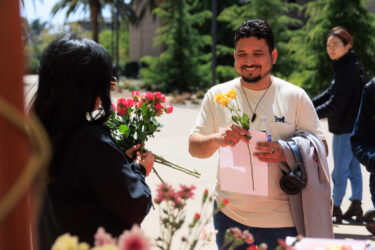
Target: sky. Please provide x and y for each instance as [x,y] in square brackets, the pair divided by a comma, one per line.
[41,9]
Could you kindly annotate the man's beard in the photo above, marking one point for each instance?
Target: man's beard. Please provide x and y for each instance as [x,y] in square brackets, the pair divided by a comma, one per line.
[257,78]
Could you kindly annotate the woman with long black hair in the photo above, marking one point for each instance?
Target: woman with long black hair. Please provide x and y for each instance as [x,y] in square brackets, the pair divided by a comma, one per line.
[91,182]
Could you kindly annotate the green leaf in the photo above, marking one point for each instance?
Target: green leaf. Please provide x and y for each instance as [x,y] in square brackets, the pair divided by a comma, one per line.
[123,129]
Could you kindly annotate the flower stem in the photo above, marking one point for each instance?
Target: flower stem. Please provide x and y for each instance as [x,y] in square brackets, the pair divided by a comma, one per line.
[165,162]
[251,165]
[157,174]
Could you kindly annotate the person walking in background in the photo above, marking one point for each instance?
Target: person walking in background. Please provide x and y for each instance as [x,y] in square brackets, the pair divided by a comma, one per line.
[286,107]
[91,182]
[363,136]
[340,103]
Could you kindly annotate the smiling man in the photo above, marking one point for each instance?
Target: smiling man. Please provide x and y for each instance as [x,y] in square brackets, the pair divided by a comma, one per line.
[287,109]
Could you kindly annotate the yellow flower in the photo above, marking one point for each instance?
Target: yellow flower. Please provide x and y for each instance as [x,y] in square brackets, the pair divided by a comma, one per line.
[225,101]
[219,97]
[231,94]
[84,246]
[66,242]
[106,247]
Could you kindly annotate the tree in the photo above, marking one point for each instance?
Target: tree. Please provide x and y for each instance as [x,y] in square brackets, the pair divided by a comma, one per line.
[125,11]
[181,66]
[308,47]
[73,5]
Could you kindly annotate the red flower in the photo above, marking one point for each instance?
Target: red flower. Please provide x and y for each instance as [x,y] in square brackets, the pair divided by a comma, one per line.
[205,191]
[130,102]
[253,247]
[122,102]
[138,104]
[158,95]
[113,107]
[158,105]
[148,96]
[197,216]
[225,201]
[169,109]
[121,111]
[162,98]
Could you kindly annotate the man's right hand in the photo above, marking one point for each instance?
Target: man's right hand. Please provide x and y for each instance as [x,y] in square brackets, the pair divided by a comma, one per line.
[232,135]
[203,146]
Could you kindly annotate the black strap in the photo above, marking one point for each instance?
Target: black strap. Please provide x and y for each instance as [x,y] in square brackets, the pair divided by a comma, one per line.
[298,158]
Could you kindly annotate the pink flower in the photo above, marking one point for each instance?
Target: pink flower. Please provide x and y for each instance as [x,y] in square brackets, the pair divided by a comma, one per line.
[248,237]
[134,240]
[186,192]
[165,192]
[147,96]
[207,233]
[102,238]
[138,104]
[162,98]
[135,94]
[169,109]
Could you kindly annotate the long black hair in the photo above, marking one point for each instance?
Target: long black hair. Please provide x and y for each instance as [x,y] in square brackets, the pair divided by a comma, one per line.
[73,73]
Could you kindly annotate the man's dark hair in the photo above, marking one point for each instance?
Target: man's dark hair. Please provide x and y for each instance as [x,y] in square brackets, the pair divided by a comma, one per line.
[258,28]
[73,73]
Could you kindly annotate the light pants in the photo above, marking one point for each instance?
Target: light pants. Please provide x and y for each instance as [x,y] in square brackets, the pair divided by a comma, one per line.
[346,166]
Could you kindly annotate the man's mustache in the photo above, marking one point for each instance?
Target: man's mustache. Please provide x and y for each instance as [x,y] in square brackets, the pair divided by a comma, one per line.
[243,67]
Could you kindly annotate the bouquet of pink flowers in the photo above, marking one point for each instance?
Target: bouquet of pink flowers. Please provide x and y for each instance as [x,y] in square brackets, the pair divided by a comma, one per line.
[133,122]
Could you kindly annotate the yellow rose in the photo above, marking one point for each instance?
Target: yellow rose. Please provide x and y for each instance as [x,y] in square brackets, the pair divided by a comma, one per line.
[231,94]
[218,98]
[225,101]
[66,242]
[106,247]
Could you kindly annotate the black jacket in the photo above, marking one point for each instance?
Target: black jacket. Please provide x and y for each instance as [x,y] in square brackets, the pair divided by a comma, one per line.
[95,185]
[363,136]
[340,102]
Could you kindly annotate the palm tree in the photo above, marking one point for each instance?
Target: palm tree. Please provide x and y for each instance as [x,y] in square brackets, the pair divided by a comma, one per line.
[73,5]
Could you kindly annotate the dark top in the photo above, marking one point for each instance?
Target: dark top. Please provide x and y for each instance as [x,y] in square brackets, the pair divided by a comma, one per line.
[95,185]
[363,136]
[340,102]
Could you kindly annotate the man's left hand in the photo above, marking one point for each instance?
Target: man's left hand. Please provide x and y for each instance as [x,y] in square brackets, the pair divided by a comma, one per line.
[269,152]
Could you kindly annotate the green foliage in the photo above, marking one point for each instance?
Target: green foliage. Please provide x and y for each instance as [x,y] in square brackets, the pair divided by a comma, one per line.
[36,38]
[181,66]
[308,47]
[275,12]
[105,38]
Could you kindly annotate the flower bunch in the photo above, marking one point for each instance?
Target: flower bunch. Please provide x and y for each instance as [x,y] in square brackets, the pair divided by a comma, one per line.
[228,100]
[234,237]
[172,217]
[134,119]
[133,122]
[128,240]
